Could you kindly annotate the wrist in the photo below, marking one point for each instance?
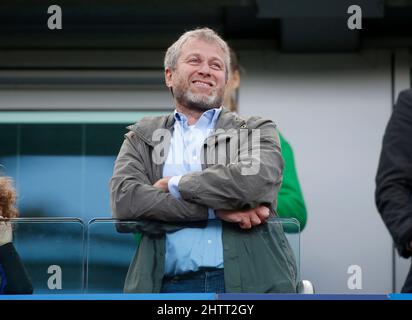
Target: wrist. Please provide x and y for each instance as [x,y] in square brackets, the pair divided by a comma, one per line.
[173,186]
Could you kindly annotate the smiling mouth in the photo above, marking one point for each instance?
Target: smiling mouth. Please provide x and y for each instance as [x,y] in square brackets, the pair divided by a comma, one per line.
[202,84]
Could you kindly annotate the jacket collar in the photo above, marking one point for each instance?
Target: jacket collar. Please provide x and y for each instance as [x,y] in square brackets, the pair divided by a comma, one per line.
[145,127]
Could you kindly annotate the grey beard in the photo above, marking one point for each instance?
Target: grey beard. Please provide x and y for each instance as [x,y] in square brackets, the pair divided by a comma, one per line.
[200,103]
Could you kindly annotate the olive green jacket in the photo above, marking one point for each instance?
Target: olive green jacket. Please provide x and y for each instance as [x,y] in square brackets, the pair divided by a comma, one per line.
[258,260]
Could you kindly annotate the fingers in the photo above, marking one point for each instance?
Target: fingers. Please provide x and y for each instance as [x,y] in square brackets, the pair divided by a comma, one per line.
[254,219]
[229,216]
[245,219]
[262,212]
[250,220]
[4,222]
[245,223]
[5,225]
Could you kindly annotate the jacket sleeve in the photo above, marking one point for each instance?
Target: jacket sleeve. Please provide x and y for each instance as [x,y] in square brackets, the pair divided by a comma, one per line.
[132,195]
[233,186]
[17,279]
[393,193]
[291,203]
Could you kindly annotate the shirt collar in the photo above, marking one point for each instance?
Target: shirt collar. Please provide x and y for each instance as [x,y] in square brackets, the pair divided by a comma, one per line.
[208,117]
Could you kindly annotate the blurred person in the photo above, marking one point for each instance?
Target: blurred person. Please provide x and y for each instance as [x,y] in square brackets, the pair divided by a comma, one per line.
[204,226]
[393,194]
[13,276]
[291,203]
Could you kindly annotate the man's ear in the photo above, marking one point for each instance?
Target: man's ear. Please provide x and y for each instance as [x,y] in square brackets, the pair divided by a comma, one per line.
[168,77]
[236,79]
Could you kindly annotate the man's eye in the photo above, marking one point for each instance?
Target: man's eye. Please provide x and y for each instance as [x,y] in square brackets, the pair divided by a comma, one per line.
[194,60]
[216,66]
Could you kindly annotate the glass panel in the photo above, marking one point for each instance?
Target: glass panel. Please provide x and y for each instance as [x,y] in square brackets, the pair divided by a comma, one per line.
[109,254]
[52,251]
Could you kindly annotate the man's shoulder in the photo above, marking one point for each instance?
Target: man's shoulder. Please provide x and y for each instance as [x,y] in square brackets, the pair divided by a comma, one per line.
[405,100]
[251,122]
[150,123]
[254,122]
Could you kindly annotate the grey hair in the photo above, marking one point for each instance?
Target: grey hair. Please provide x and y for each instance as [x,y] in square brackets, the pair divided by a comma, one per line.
[206,34]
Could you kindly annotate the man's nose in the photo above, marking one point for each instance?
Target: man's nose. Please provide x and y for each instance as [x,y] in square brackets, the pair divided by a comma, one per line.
[204,69]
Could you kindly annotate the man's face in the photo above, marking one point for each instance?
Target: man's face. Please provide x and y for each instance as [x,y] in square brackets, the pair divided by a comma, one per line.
[198,82]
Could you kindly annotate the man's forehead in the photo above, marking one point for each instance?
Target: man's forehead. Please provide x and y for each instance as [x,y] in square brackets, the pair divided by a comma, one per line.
[202,47]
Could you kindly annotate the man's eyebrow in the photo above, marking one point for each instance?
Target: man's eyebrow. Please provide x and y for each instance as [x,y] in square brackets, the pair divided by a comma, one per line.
[197,55]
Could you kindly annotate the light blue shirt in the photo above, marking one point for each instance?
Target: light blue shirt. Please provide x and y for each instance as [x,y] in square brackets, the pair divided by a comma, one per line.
[191,248]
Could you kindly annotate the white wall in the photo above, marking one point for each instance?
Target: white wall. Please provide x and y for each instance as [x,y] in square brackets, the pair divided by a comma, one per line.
[333,110]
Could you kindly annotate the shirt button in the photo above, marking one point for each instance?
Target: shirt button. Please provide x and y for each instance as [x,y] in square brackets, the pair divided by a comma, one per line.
[209,241]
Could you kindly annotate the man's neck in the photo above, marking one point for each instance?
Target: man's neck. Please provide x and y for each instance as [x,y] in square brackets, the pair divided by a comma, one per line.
[192,115]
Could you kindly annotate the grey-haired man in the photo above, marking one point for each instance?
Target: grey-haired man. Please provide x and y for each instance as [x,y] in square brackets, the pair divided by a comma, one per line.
[203,221]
